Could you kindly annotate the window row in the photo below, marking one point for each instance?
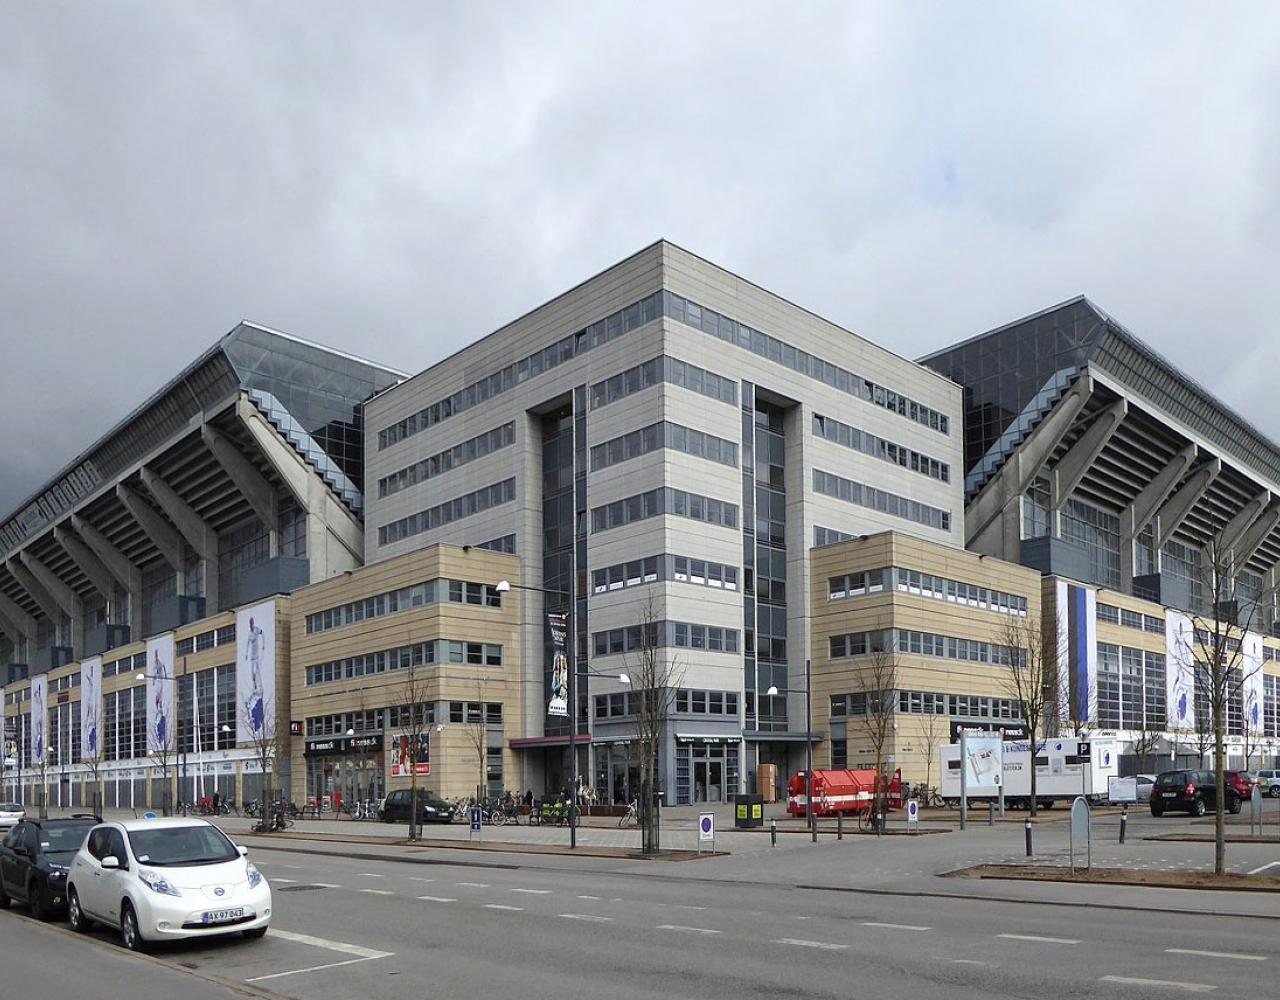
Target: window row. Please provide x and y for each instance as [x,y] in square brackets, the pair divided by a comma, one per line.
[451,510]
[620,704]
[338,724]
[684,635]
[910,581]
[664,567]
[476,713]
[415,596]
[477,654]
[964,706]
[138,661]
[696,702]
[1113,615]
[829,536]
[1130,688]
[664,500]
[877,447]
[225,636]
[664,435]
[507,544]
[862,495]
[664,369]
[442,462]
[902,640]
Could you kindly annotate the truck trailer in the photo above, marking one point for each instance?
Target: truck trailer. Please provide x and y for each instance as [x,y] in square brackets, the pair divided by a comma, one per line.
[1065,767]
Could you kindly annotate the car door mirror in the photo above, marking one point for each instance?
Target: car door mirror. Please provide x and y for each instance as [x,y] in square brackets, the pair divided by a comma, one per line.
[110,862]
[244,851]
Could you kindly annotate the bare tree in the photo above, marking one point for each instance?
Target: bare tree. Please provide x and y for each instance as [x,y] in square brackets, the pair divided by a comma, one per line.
[1216,646]
[477,733]
[163,753]
[1032,645]
[413,722]
[933,730]
[1145,739]
[878,680]
[269,742]
[654,678]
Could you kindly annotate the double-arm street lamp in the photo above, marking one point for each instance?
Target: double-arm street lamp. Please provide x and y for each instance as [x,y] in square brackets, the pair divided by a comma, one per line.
[808,742]
[571,653]
[141,676]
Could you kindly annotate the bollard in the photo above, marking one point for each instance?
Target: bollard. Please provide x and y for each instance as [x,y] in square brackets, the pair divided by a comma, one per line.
[991,814]
[1124,818]
[1027,827]
[839,826]
[773,832]
[879,824]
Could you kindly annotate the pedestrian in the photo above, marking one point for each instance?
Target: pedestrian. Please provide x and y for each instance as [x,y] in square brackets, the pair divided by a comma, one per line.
[217,801]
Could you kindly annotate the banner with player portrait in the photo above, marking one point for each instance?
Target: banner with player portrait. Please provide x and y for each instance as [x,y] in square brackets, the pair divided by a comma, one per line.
[256,672]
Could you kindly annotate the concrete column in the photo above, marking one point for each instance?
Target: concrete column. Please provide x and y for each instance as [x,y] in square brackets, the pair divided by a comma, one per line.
[67,600]
[162,534]
[197,531]
[42,597]
[1138,515]
[1175,510]
[20,627]
[252,485]
[92,567]
[117,564]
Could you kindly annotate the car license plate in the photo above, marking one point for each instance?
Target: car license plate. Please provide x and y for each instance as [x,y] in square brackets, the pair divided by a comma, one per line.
[1170,795]
[222,916]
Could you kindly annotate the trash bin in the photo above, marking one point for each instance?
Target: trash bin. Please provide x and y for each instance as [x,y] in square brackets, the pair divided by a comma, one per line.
[748,811]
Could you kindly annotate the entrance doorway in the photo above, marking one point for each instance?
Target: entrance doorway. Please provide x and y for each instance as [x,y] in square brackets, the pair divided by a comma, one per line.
[708,781]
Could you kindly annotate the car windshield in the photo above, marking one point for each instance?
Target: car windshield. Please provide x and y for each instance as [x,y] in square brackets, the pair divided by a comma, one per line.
[65,838]
[432,799]
[10,807]
[181,846]
[1172,778]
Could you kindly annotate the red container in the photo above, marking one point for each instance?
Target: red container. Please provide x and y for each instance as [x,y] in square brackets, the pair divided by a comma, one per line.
[842,792]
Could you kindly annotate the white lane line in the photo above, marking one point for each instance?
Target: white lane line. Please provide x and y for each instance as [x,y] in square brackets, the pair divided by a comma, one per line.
[419,878]
[369,875]
[1263,868]
[534,892]
[326,885]
[588,897]
[969,961]
[896,927]
[473,885]
[687,930]
[1216,954]
[801,943]
[378,892]
[277,881]
[438,899]
[1037,937]
[1132,981]
[593,918]
[686,906]
[310,968]
[499,906]
[318,942]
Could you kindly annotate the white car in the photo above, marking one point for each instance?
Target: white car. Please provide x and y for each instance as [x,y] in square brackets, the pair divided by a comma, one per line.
[165,879]
[11,813]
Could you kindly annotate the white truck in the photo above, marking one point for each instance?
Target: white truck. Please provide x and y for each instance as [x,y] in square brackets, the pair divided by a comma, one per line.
[1065,767]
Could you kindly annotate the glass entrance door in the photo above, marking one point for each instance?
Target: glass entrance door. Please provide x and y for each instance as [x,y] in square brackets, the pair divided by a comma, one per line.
[708,781]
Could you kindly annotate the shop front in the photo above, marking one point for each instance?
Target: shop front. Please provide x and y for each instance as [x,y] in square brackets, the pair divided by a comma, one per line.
[706,768]
[345,769]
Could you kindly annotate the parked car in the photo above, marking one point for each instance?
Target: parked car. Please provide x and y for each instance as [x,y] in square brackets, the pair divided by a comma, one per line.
[433,809]
[1190,791]
[1241,783]
[166,879]
[1269,781]
[34,860]
[10,814]
[1146,785]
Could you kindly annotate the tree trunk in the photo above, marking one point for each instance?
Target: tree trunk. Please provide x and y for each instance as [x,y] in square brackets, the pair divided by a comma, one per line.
[1033,778]
[1220,798]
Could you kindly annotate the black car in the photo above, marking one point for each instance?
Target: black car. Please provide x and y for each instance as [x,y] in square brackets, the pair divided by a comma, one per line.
[432,808]
[1195,792]
[34,859]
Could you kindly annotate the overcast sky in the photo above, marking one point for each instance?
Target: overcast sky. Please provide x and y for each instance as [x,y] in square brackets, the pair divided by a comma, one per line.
[398,180]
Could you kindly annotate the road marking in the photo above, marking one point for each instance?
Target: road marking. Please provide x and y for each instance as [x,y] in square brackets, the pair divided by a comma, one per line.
[438,899]
[311,968]
[1131,981]
[419,878]
[318,942]
[534,892]
[588,897]
[969,961]
[1270,864]
[801,943]
[282,880]
[1036,937]
[378,892]
[585,916]
[326,885]
[686,906]
[1216,954]
[473,885]
[499,906]
[369,875]
[687,930]
[896,927]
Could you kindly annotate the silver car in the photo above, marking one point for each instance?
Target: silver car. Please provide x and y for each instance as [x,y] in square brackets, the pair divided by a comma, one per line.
[10,814]
[1269,781]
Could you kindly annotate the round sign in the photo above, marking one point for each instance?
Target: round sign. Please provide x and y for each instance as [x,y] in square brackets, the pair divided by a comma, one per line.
[706,824]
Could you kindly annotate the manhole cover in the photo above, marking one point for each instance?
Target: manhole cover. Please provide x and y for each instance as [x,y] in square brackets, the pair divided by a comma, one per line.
[297,888]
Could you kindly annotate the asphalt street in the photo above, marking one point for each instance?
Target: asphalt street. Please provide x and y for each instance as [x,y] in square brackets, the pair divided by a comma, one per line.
[372,928]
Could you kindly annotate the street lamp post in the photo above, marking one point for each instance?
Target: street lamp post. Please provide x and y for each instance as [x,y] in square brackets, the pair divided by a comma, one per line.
[571,649]
[808,743]
[142,676]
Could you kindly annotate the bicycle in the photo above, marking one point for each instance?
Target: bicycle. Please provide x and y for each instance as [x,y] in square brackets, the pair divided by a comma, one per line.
[632,816]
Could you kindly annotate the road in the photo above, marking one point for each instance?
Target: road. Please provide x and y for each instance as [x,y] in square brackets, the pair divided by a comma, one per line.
[375,929]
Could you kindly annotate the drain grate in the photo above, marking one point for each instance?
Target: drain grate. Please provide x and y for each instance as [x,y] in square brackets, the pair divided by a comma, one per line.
[297,888]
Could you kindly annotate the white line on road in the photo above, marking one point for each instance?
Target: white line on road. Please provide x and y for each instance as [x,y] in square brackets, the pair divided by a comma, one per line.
[969,961]
[473,885]
[378,892]
[686,906]
[1037,937]
[1263,868]
[419,878]
[311,968]
[318,942]
[687,930]
[896,927]
[438,899]
[586,916]
[499,906]
[1216,954]
[368,875]
[326,885]
[282,880]
[534,892]
[1131,981]
[588,897]
[801,943]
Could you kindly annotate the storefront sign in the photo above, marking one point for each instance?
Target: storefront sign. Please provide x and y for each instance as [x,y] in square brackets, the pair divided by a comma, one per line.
[404,755]
[342,745]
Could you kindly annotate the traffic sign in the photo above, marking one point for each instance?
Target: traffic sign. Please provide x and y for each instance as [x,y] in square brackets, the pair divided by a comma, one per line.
[913,813]
[707,826]
[475,819]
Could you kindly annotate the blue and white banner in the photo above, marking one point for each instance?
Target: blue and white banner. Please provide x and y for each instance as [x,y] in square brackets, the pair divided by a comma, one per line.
[1251,669]
[1077,653]
[256,672]
[91,709]
[39,719]
[160,694]
[1180,672]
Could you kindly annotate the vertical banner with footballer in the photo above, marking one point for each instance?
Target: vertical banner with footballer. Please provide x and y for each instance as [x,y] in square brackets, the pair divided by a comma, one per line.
[91,708]
[1180,672]
[256,673]
[1251,668]
[39,718]
[559,703]
[1078,652]
[160,694]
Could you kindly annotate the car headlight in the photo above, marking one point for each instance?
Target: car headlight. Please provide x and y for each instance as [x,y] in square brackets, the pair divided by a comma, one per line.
[255,876]
[156,882]
[431,809]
